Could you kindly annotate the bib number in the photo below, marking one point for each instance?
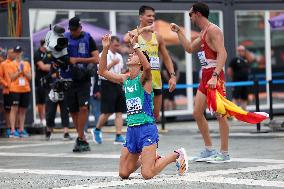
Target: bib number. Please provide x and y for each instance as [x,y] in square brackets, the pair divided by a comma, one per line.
[22,81]
[202,58]
[134,106]
[155,63]
[82,48]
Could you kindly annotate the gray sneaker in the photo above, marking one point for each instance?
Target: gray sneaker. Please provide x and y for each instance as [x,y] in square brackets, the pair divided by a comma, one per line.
[219,158]
[204,155]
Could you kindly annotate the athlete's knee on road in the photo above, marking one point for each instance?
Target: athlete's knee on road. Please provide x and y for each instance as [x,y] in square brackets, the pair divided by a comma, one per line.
[147,173]
[124,174]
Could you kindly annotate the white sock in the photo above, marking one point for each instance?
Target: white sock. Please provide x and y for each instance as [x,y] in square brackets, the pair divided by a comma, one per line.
[209,148]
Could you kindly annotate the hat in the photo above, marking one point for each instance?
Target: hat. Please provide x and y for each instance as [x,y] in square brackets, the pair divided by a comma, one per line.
[18,49]
[74,23]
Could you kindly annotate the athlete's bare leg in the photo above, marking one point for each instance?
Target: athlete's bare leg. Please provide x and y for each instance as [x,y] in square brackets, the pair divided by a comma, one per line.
[157,106]
[151,166]
[198,113]
[128,163]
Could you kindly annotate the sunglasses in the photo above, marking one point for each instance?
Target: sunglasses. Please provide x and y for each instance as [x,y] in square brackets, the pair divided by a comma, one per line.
[190,13]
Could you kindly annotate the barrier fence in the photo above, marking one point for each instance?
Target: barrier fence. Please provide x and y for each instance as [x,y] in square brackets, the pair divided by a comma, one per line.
[255,84]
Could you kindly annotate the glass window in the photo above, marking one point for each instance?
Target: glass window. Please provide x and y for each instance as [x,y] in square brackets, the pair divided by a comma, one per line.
[250,34]
[277,55]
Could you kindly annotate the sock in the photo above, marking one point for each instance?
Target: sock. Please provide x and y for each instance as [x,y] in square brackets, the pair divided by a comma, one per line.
[224,152]
[98,129]
[209,148]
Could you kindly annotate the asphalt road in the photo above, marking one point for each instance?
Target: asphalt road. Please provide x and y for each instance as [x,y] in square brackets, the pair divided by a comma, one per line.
[257,161]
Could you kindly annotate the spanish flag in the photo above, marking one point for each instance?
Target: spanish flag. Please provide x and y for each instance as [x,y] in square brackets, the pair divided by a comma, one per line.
[217,103]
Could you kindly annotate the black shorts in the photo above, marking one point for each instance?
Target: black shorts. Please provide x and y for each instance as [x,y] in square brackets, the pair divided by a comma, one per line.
[20,99]
[157,92]
[169,95]
[40,95]
[7,102]
[77,97]
[112,97]
[240,92]
[51,109]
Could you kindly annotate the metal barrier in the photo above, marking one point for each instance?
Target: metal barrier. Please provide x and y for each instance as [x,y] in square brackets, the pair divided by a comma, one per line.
[254,83]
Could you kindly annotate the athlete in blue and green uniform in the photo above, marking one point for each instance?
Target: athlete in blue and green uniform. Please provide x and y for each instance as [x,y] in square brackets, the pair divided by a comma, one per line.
[142,133]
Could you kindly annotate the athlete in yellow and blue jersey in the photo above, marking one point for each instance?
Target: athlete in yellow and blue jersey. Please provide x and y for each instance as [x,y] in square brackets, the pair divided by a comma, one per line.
[152,43]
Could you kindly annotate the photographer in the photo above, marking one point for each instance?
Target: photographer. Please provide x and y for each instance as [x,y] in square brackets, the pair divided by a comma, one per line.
[83,54]
[52,104]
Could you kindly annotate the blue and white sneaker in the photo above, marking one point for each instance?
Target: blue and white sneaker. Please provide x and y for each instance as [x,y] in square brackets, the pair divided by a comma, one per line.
[98,137]
[182,162]
[219,158]
[204,155]
[119,140]
[8,132]
[24,134]
[14,134]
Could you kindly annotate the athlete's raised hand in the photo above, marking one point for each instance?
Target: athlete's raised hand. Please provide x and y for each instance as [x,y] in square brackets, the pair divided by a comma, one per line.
[133,38]
[106,41]
[174,27]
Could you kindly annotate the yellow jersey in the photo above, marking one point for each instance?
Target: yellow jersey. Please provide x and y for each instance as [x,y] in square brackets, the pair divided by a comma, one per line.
[151,47]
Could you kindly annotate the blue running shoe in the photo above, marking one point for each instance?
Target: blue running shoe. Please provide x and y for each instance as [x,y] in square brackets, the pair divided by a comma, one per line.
[182,162]
[14,134]
[8,132]
[204,155]
[98,137]
[24,134]
[219,158]
[119,139]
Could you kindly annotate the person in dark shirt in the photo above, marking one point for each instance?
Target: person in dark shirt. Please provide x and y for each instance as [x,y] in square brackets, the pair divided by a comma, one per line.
[41,70]
[239,69]
[83,54]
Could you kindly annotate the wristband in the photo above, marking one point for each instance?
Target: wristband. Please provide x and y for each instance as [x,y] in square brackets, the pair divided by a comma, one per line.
[136,46]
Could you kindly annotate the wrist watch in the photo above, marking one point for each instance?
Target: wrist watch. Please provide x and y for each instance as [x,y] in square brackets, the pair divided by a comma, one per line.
[173,74]
[215,74]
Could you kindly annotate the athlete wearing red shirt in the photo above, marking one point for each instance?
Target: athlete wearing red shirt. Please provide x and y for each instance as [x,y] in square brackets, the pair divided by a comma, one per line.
[212,55]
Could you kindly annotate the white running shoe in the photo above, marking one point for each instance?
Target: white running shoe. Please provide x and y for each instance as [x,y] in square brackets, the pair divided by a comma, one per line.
[182,162]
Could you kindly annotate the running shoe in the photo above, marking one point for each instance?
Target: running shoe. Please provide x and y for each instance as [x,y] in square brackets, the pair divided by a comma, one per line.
[14,134]
[81,146]
[24,134]
[119,139]
[67,136]
[98,137]
[219,158]
[182,162]
[8,132]
[204,155]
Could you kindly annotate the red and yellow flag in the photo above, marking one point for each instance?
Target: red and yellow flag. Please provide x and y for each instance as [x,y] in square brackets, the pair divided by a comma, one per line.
[217,103]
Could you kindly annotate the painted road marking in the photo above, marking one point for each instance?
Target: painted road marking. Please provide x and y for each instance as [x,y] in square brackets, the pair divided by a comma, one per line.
[117,156]
[207,176]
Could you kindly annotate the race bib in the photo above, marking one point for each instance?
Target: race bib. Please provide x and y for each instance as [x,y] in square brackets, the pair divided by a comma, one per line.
[202,58]
[155,63]
[22,81]
[82,48]
[134,106]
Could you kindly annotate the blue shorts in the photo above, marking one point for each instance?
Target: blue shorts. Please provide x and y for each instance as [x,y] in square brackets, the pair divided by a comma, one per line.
[140,136]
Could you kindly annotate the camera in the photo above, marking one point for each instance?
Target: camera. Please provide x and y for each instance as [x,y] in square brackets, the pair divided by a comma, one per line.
[56,44]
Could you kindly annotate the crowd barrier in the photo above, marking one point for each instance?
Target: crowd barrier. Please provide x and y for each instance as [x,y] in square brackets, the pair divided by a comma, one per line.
[255,84]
